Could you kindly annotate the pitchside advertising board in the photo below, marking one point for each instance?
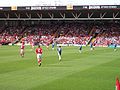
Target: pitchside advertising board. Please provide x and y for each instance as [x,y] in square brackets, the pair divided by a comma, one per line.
[67,7]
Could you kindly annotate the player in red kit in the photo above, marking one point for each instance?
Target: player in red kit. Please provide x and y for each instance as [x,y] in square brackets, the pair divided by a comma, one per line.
[39,54]
[22,49]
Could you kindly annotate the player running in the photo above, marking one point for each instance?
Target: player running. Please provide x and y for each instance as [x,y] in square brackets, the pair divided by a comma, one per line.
[59,50]
[115,47]
[91,46]
[39,55]
[53,45]
[80,49]
[22,49]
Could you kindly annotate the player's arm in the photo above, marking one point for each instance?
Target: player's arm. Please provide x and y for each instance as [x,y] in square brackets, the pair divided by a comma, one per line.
[36,51]
[41,50]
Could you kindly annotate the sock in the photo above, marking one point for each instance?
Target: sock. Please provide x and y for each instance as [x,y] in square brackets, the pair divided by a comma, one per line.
[39,61]
[59,57]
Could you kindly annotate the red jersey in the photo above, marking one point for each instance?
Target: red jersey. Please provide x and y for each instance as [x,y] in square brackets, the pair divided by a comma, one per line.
[23,45]
[39,51]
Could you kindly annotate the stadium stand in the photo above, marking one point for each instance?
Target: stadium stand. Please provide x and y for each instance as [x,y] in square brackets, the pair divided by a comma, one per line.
[65,33]
[45,24]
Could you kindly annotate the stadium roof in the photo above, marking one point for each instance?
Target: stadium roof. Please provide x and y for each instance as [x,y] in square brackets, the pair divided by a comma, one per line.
[92,12]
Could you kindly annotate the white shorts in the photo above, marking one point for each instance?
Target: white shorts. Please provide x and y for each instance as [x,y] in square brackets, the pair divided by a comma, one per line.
[39,56]
[22,50]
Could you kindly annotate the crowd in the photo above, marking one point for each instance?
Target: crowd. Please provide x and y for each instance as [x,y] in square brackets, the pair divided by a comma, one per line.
[63,33]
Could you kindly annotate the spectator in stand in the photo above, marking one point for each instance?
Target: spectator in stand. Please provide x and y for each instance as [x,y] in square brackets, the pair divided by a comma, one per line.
[63,32]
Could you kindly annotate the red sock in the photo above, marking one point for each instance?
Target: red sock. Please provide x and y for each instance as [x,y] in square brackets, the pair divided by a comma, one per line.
[39,61]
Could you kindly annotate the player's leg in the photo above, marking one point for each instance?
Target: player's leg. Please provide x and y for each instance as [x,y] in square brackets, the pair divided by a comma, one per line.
[115,49]
[59,55]
[52,47]
[22,53]
[91,48]
[39,59]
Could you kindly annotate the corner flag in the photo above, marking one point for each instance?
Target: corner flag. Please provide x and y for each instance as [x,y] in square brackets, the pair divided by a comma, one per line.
[117,84]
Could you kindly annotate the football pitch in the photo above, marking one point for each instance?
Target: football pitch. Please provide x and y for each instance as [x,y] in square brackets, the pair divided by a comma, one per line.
[89,70]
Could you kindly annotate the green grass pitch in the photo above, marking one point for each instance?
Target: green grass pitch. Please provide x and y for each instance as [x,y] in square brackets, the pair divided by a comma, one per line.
[89,70]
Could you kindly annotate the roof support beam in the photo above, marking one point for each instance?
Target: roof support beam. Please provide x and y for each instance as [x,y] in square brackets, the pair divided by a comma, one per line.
[7,15]
[17,15]
[28,15]
[62,15]
[102,15]
[79,15]
[76,15]
[39,15]
[115,15]
[90,15]
[51,15]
